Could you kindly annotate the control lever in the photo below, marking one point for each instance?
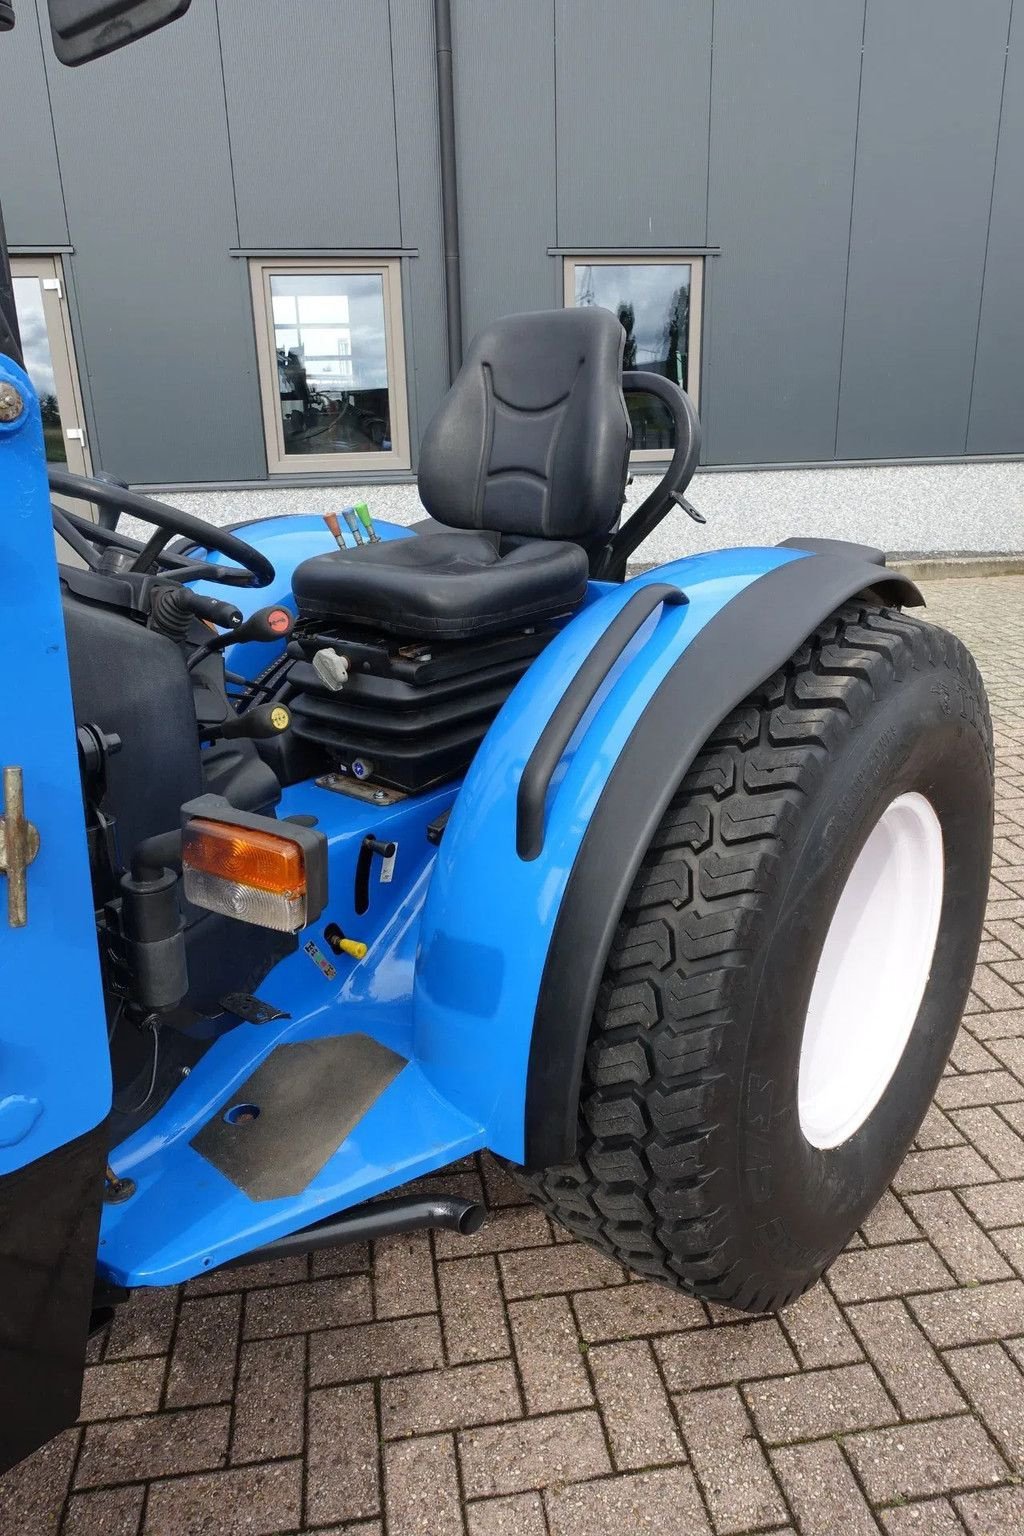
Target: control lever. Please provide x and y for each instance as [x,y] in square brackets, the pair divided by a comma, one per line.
[224,615]
[331,668]
[173,608]
[260,723]
[274,623]
[370,848]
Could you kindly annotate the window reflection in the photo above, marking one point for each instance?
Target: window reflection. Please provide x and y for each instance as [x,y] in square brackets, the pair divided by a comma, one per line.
[652,302]
[331,354]
[35,344]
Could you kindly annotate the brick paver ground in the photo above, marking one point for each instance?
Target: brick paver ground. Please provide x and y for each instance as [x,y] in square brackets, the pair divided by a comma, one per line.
[517,1384]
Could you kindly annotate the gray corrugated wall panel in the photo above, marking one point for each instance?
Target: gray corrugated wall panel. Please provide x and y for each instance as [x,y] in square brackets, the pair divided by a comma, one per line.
[783,128]
[997,405]
[166,329]
[633,87]
[505,135]
[29,178]
[412,32]
[932,80]
[312,121]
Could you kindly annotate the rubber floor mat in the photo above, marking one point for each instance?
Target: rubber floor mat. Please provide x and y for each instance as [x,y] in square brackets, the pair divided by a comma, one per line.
[273,1135]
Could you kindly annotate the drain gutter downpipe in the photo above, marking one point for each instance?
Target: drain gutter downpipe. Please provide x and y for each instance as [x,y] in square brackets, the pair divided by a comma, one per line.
[449,183]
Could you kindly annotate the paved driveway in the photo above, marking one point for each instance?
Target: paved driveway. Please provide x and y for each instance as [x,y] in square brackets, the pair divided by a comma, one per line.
[518,1384]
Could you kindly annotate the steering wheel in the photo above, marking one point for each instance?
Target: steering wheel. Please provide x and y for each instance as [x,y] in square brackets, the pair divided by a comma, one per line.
[93,541]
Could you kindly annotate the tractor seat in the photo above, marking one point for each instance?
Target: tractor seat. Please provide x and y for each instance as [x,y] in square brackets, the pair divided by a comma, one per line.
[445,586]
[525,463]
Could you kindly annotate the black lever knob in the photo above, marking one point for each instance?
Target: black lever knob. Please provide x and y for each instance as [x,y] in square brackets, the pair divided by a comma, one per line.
[223,614]
[273,623]
[257,724]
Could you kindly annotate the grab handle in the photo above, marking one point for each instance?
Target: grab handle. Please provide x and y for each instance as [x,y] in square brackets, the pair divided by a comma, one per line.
[573,705]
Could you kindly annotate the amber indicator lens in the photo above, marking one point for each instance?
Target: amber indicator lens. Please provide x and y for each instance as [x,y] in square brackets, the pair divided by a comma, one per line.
[244,856]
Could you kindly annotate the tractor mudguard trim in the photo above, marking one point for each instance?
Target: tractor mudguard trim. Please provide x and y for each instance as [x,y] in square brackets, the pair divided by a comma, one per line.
[573,705]
[849,551]
[739,648]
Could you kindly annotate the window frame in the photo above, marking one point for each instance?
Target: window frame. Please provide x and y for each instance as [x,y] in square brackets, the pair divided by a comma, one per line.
[655,259]
[398,457]
[48,271]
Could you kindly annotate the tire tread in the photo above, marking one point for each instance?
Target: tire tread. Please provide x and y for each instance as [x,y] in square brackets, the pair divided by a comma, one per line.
[643,1184]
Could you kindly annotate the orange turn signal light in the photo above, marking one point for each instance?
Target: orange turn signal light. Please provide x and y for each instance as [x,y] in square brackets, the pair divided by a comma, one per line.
[256,869]
[244,856]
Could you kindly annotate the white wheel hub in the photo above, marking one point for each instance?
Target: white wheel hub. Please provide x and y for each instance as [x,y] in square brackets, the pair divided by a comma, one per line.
[872,972]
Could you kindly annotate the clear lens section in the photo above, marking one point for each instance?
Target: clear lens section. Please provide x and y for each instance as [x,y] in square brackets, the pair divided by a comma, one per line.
[267,909]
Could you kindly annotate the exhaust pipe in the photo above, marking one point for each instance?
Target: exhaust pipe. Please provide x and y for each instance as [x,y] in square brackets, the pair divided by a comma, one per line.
[379,1218]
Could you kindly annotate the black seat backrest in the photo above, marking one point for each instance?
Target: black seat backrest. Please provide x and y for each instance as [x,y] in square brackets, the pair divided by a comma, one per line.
[533,437]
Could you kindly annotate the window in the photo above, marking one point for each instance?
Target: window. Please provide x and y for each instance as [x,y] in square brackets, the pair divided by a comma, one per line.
[49,358]
[332,372]
[657,299]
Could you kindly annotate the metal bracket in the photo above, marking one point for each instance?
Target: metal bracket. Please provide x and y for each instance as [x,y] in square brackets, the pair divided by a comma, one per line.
[360,789]
[19,844]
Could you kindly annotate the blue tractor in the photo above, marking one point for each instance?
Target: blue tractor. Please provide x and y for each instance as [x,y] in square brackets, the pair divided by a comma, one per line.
[331,860]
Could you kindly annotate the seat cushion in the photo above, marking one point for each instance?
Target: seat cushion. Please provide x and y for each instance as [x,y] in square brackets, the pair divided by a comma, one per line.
[450,586]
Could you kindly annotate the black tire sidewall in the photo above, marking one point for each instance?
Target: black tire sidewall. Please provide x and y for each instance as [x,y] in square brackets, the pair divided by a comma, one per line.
[799,1203]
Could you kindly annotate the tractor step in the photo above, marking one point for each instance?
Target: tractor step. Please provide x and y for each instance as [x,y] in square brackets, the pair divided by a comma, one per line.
[297,1121]
[188,1216]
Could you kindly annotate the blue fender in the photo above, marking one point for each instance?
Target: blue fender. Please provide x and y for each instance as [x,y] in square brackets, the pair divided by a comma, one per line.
[512,948]
[489,915]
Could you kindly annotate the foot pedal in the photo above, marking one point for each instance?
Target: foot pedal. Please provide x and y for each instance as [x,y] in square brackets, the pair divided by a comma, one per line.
[251,1010]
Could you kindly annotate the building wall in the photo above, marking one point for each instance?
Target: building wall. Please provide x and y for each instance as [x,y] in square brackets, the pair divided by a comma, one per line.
[853,168]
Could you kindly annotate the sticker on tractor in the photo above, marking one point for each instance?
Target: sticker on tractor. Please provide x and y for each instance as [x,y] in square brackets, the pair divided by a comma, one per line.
[387,865]
[319,959]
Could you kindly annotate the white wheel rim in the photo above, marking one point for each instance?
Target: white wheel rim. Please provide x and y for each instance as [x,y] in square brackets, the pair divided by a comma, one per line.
[872,972]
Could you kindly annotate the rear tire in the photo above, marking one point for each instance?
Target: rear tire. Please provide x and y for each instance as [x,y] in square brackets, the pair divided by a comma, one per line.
[710,1155]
